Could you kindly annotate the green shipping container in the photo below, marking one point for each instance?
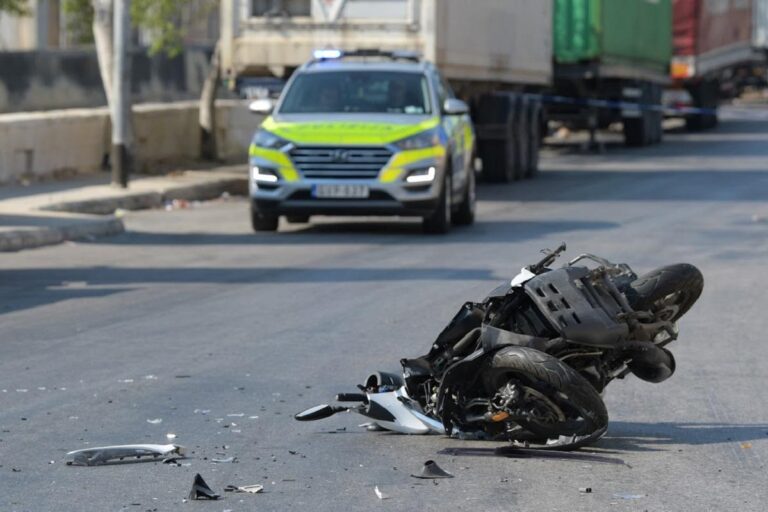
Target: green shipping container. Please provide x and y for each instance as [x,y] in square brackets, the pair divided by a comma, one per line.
[625,33]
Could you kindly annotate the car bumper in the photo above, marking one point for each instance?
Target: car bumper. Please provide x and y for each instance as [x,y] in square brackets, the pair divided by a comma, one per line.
[384,199]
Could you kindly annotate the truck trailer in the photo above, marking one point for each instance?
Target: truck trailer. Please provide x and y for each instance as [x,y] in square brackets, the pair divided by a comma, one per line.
[617,51]
[493,53]
[717,45]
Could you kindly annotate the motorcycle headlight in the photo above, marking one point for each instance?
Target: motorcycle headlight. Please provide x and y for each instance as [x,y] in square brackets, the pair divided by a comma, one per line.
[269,140]
[425,139]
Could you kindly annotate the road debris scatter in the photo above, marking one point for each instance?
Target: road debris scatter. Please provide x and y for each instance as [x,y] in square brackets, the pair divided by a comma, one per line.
[122,453]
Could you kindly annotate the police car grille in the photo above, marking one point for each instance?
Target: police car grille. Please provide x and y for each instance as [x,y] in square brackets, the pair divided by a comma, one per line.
[340,162]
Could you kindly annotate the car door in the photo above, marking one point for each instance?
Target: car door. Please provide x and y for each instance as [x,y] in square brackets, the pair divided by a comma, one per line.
[455,127]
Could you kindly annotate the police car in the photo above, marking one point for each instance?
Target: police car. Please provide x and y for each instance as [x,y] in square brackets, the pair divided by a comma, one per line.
[363,132]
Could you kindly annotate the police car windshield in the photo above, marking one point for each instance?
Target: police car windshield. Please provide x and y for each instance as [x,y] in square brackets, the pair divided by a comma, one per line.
[358,92]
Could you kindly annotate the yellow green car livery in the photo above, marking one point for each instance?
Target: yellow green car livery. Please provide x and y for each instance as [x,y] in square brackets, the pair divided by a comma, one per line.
[364,133]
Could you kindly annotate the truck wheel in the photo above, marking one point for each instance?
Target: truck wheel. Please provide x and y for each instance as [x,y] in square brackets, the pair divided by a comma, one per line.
[638,131]
[496,121]
[705,95]
[465,214]
[534,130]
[439,222]
[521,136]
[262,221]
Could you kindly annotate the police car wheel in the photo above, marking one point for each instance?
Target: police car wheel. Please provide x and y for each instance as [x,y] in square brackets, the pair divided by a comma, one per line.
[439,222]
[465,215]
[263,222]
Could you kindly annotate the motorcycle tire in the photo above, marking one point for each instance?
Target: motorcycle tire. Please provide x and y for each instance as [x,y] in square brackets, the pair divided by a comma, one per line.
[677,285]
[562,386]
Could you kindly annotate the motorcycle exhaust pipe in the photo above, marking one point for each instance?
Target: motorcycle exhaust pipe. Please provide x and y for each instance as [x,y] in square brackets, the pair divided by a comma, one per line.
[650,363]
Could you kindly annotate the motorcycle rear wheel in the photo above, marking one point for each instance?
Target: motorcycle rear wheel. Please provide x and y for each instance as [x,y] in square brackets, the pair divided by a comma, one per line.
[567,412]
[674,288]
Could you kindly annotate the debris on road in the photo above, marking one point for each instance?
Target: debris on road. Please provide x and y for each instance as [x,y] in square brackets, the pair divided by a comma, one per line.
[225,460]
[430,469]
[119,453]
[170,435]
[585,490]
[380,494]
[252,489]
[155,421]
[746,445]
[629,496]
[201,491]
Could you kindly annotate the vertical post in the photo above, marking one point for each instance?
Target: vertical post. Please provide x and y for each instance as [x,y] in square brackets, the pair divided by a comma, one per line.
[121,106]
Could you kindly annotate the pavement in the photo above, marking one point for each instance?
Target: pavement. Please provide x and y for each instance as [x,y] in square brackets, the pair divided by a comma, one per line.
[85,208]
[223,334]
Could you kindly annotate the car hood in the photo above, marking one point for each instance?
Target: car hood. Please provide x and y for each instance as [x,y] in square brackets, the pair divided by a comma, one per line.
[347,129]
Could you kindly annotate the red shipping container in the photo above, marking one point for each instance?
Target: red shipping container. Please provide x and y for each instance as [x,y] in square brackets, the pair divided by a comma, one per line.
[710,35]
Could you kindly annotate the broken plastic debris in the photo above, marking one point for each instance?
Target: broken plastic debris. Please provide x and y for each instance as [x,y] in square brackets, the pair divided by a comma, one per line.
[225,460]
[253,489]
[201,491]
[629,496]
[171,436]
[585,490]
[150,377]
[119,453]
[380,494]
[430,469]
[155,421]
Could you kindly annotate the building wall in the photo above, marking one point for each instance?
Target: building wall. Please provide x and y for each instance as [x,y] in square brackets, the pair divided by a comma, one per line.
[42,145]
[57,79]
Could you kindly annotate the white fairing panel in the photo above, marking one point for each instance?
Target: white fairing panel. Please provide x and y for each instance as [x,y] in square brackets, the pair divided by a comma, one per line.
[407,419]
[524,276]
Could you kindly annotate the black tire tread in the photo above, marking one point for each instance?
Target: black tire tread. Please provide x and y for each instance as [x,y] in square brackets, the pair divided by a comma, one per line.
[543,367]
[648,288]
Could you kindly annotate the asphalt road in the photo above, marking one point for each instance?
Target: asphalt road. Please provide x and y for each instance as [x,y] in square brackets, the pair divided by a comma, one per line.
[222,334]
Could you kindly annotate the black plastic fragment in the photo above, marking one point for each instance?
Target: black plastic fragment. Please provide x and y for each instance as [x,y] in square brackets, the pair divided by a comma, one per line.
[201,491]
[430,469]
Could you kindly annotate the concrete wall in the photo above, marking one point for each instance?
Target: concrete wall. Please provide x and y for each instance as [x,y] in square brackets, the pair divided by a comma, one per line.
[56,79]
[41,145]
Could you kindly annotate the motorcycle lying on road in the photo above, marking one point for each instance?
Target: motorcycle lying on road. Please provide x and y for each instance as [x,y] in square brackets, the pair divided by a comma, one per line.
[530,362]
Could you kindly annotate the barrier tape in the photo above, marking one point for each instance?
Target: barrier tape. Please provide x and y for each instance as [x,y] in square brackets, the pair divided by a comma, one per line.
[620,105]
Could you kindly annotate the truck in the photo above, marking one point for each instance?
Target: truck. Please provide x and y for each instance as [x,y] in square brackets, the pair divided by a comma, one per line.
[617,53]
[495,55]
[717,46]
[507,59]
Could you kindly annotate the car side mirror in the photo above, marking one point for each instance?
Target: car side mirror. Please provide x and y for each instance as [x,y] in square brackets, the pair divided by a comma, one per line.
[261,106]
[455,107]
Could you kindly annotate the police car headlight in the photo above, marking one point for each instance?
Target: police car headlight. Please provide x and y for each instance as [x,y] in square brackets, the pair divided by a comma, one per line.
[268,140]
[425,139]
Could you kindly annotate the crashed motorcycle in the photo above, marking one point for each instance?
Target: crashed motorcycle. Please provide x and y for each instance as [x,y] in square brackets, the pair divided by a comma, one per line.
[529,364]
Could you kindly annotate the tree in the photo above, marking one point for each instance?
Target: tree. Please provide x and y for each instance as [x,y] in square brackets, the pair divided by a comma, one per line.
[162,20]
[15,7]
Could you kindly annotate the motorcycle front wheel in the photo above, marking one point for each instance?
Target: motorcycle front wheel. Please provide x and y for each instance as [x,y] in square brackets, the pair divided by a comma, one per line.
[560,408]
[667,291]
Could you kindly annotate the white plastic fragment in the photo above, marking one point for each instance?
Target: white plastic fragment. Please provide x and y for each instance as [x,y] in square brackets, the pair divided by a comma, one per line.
[155,421]
[122,453]
[380,494]
[170,435]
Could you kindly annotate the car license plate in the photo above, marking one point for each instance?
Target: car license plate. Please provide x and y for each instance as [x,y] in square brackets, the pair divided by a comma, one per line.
[340,191]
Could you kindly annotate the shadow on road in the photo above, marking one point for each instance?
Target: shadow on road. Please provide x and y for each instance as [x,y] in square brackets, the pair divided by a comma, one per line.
[376,232]
[30,288]
[642,437]
[522,453]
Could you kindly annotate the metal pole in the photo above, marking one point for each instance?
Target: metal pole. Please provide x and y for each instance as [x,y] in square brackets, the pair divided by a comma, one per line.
[121,106]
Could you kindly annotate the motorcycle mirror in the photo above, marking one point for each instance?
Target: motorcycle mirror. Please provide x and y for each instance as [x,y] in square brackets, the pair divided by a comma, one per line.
[318,412]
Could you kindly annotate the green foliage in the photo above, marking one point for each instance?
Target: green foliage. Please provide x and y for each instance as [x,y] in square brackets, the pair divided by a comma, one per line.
[16,7]
[162,18]
[79,15]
